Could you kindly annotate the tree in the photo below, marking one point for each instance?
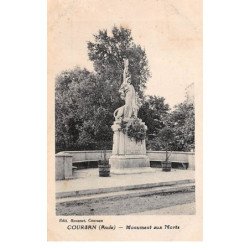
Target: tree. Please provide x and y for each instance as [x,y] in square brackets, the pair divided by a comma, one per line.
[181,122]
[152,112]
[166,137]
[183,118]
[73,96]
[85,101]
[107,53]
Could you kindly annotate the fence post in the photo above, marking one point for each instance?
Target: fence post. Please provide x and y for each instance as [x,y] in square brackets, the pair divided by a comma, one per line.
[64,168]
[191,161]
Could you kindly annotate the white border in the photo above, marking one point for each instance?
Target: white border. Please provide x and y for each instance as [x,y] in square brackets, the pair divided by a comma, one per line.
[226,128]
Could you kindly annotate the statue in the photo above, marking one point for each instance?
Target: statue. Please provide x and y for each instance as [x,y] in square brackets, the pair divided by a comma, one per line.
[132,100]
[129,146]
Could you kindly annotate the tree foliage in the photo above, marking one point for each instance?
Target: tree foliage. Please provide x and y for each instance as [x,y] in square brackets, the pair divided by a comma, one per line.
[178,133]
[152,112]
[85,101]
[183,118]
[107,53]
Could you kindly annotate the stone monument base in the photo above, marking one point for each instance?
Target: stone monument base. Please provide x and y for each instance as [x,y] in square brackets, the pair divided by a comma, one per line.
[130,164]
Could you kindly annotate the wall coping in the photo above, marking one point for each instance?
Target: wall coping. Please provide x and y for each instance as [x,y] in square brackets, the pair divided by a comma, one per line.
[87,151]
[64,154]
[109,151]
[173,152]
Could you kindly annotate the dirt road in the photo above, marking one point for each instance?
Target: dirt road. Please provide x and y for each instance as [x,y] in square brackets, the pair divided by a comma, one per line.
[115,206]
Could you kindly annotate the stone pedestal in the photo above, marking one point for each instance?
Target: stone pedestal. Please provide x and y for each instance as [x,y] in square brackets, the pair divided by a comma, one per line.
[128,156]
[64,168]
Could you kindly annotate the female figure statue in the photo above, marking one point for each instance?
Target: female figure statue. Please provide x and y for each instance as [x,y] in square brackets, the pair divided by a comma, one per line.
[127,91]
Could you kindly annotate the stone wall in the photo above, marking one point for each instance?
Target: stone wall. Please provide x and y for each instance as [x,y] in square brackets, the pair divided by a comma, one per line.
[64,160]
[95,155]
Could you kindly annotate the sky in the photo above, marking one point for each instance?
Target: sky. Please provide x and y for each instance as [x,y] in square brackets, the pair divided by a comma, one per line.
[170,32]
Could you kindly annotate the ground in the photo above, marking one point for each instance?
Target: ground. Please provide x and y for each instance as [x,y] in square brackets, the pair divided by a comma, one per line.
[149,193]
[177,203]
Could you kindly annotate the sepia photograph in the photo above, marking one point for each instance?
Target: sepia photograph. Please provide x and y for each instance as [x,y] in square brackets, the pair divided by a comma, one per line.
[125,104]
[121,124]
